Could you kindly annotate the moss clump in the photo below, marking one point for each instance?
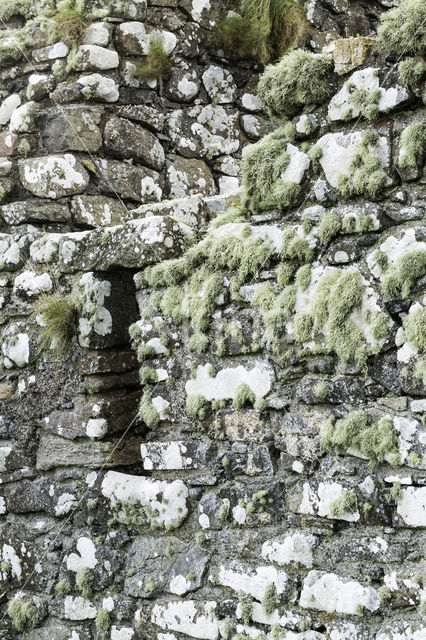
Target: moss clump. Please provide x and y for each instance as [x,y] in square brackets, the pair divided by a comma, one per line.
[157,63]
[246,607]
[243,396]
[147,375]
[84,581]
[422,608]
[23,613]
[299,78]
[401,30]
[62,587]
[302,325]
[321,390]
[411,72]
[296,247]
[415,328]
[385,594]
[345,504]
[198,342]
[13,43]
[329,227]
[59,320]
[315,153]
[24,148]
[366,177]
[269,601]
[147,412]
[413,146]
[262,166]
[303,277]
[266,29]
[196,406]
[70,23]
[367,102]
[11,8]
[353,432]
[400,277]
[103,623]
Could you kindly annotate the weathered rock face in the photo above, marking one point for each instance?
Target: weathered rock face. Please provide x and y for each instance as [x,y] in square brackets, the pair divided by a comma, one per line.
[210,427]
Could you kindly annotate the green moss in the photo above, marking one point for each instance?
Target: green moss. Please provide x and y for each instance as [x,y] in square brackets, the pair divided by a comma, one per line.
[422,608]
[269,601]
[84,581]
[329,227]
[62,587]
[303,277]
[257,501]
[149,585]
[367,102]
[401,277]
[385,594]
[243,396]
[345,504]
[353,432]
[302,325]
[103,623]
[228,627]
[366,177]
[284,272]
[299,78]
[420,370]
[415,328]
[380,327]
[147,412]
[24,148]
[11,8]
[59,320]
[265,30]
[315,153]
[411,72]
[296,247]
[396,492]
[321,390]
[413,146]
[147,375]
[157,63]
[246,607]
[13,43]
[69,23]
[196,406]
[399,30]
[23,613]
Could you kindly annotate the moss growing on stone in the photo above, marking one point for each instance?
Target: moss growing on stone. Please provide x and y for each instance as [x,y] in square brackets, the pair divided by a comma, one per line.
[69,23]
[367,102]
[147,375]
[315,153]
[296,247]
[413,146]
[243,396]
[13,43]
[11,8]
[246,607]
[353,432]
[269,601]
[415,328]
[422,608]
[84,581]
[299,78]
[321,390]
[411,72]
[62,587]
[103,623]
[345,504]
[265,30]
[401,276]
[157,64]
[367,177]
[303,277]
[302,325]
[401,30]
[196,406]
[329,227]
[23,613]
[284,272]
[59,320]
[147,412]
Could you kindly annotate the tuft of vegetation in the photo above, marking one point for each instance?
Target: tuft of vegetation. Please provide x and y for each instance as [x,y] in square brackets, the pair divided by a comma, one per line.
[321,390]
[269,601]
[329,227]
[265,30]
[345,504]
[62,587]
[246,607]
[353,432]
[262,166]
[415,328]
[157,63]
[303,277]
[11,8]
[411,72]
[147,375]
[401,30]
[243,396]
[196,406]
[59,320]
[69,24]
[23,613]
[413,146]
[302,325]
[400,277]
[298,79]
[367,102]
[366,170]
[103,623]
[84,581]
[147,412]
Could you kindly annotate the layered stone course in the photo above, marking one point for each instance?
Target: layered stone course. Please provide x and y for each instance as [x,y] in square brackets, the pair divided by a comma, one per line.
[232,445]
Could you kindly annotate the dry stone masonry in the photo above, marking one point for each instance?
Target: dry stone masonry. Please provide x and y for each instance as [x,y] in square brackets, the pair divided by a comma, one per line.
[212,325]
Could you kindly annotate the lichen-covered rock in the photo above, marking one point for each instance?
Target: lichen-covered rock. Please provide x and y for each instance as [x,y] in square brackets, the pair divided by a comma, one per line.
[72,128]
[125,139]
[53,176]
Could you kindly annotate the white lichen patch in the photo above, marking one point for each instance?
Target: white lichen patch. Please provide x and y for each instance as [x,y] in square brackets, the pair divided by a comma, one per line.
[197,619]
[32,284]
[8,106]
[78,608]
[331,593]
[12,560]
[16,349]
[53,176]
[253,581]
[394,248]
[328,493]
[165,455]
[96,316]
[219,84]
[224,385]
[166,500]
[412,506]
[98,87]
[86,556]
[295,548]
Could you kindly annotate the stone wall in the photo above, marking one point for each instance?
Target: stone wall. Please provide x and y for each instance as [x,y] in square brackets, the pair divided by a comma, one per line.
[232,444]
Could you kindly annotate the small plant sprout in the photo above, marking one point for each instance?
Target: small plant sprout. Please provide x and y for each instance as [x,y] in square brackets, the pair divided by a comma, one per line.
[243,396]
[58,316]
[345,504]
[84,581]
[23,613]
[157,63]
[147,412]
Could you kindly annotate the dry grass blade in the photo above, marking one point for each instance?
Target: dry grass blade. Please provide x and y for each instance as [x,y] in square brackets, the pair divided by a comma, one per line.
[59,316]
[68,26]
[157,63]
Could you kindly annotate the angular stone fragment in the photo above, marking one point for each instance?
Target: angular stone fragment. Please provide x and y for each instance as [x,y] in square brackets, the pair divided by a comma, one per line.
[97,211]
[175,455]
[33,210]
[95,58]
[148,116]
[331,593]
[53,176]
[98,87]
[72,128]
[132,38]
[125,139]
[412,506]
[130,182]
[349,53]
[188,176]
[194,618]
[183,86]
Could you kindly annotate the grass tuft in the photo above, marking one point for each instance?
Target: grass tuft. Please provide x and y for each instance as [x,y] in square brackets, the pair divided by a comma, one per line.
[69,24]
[59,318]
[157,63]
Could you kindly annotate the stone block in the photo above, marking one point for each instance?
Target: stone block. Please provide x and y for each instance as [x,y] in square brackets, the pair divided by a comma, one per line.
[72,128]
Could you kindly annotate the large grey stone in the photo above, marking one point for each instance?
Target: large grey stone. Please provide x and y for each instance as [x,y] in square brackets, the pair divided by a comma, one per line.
[125,139]
[97,211]
[53,176]
[129,182]
[133,38]
[72,128]
[33,210]
[189,176]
